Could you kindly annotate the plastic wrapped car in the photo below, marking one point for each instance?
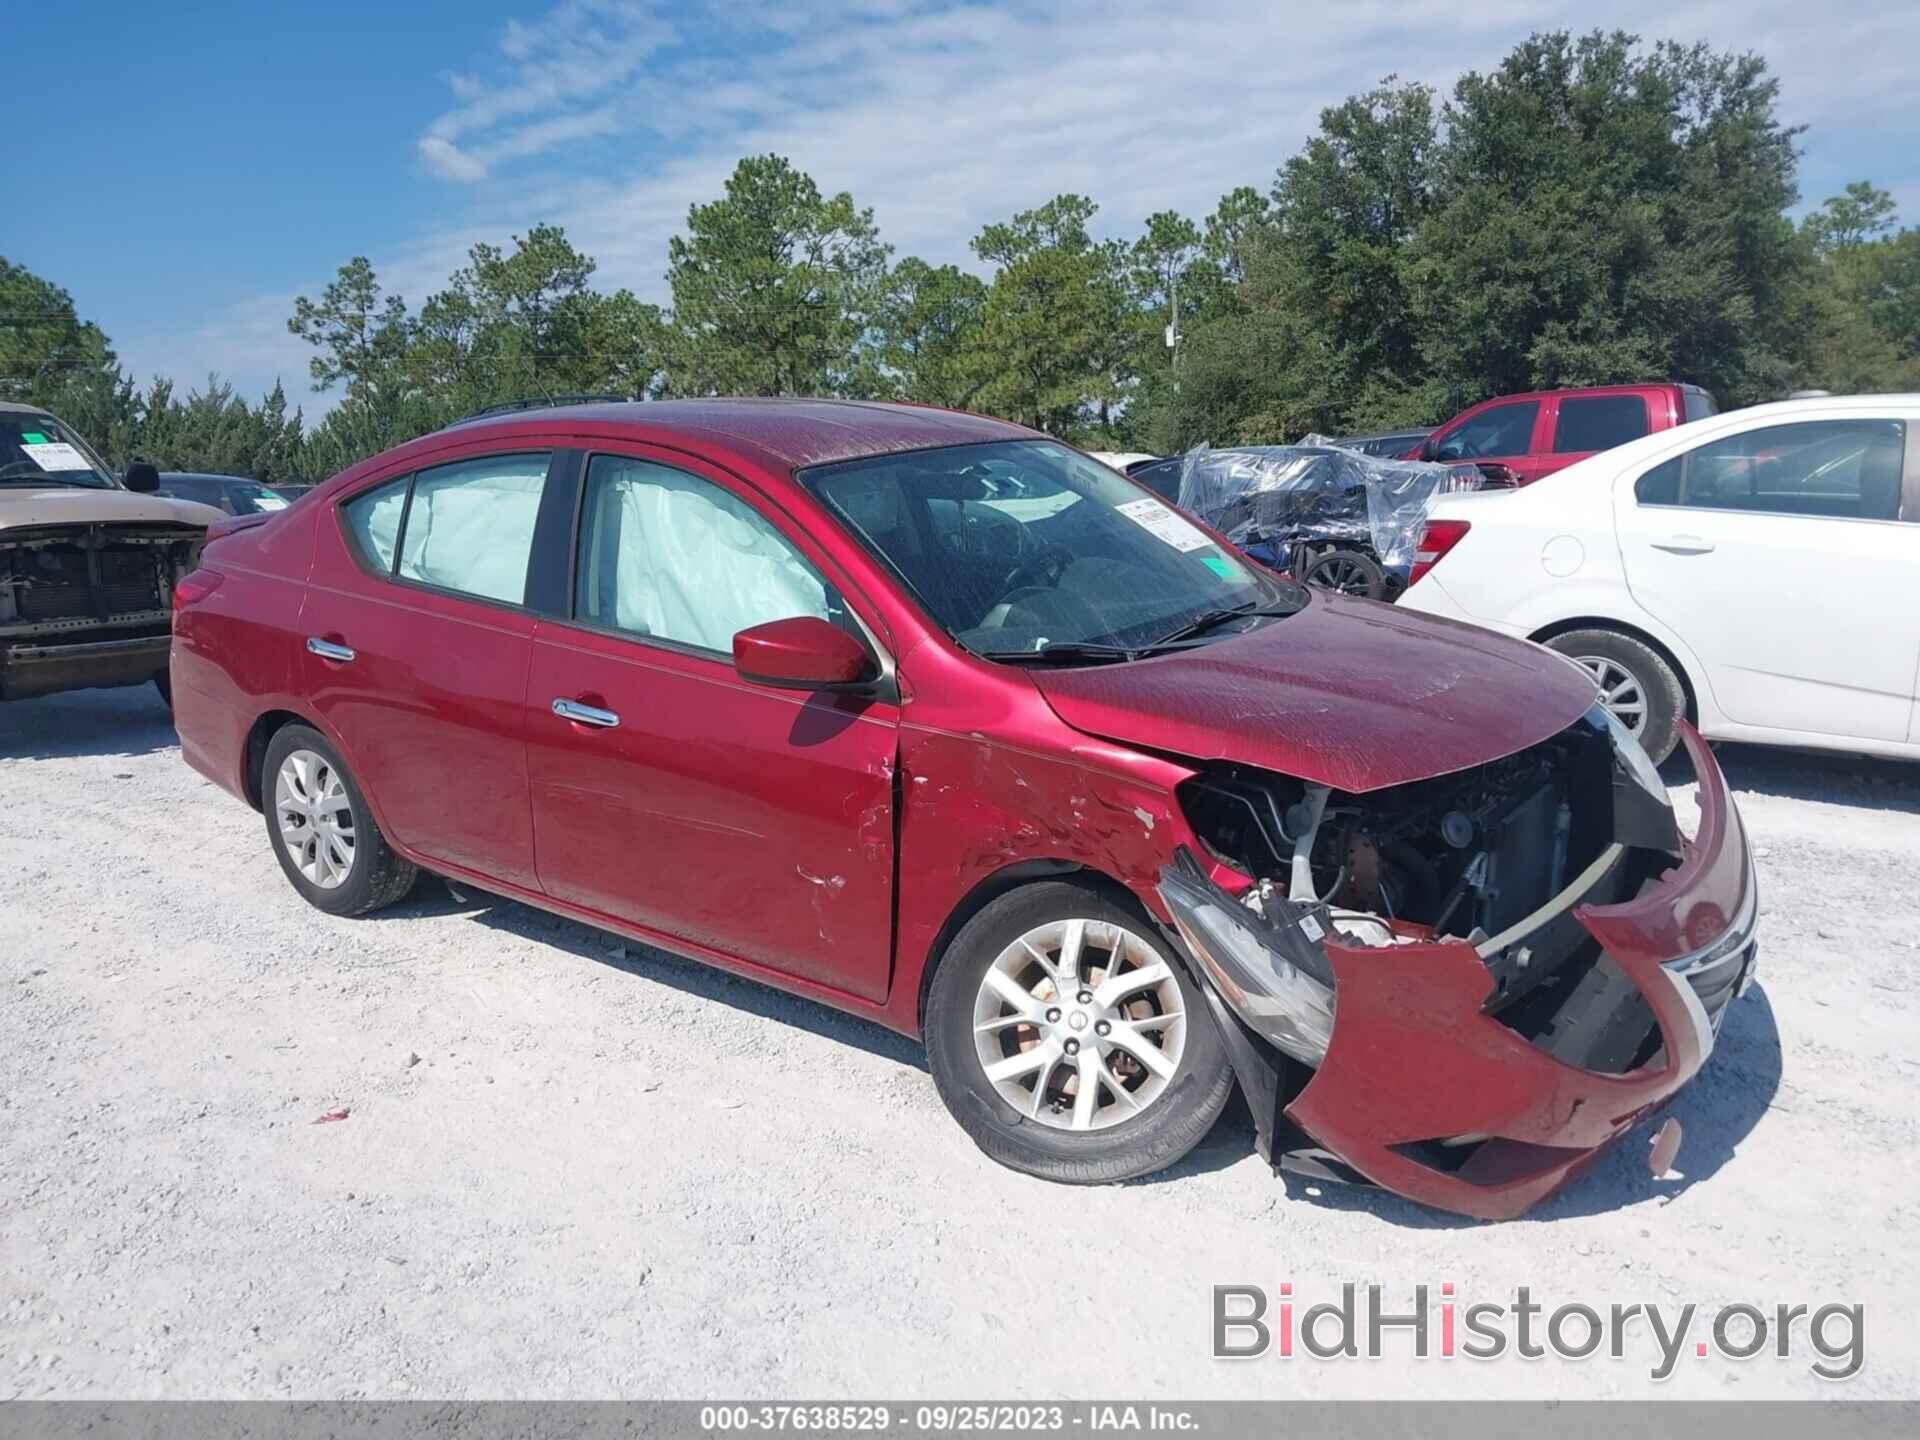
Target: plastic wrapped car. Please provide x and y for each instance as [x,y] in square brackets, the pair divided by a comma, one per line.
[1330,515]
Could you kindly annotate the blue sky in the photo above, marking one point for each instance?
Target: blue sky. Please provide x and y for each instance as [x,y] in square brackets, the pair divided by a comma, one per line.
[201,165]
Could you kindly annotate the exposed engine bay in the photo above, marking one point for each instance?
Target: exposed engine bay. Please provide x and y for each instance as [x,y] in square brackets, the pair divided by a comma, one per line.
[1497,856]
[1467,854]
[1523,958]
[88,604]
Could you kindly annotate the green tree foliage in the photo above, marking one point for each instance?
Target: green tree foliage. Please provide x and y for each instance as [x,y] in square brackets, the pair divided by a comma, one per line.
[1862,312]
[1054,334]
[49,356]
[927,328]
[52,358]
[1588,210]
[509,325]
[775,287]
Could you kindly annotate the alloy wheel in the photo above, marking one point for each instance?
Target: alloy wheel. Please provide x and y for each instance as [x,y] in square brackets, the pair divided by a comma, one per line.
[315,815]
[1339,572]
[1620,690]
[1078,1024]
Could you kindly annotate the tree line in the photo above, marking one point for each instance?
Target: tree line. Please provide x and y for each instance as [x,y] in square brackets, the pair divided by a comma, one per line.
[1590,211]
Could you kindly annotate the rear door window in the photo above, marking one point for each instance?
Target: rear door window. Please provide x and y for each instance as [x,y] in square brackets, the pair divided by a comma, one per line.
[1598,422]
[1839,469]
[1498,430]
[469,526]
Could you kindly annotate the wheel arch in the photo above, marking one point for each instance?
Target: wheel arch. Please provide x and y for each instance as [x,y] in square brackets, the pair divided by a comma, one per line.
[254,755]
[1620,627]
[1002,882]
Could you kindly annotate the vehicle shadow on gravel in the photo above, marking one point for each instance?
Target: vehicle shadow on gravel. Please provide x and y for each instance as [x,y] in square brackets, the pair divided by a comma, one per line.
[603,947]
[1837,779]
[1716,1112]
[129,721]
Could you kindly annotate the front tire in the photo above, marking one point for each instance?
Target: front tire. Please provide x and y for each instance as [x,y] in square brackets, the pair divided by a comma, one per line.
[1636,684]
[1070,1042]
[322,831]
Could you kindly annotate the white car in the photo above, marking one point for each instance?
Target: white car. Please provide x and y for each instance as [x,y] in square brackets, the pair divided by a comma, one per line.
[1757,572]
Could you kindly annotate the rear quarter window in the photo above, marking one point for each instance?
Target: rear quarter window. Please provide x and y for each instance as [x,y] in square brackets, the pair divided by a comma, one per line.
[373,523]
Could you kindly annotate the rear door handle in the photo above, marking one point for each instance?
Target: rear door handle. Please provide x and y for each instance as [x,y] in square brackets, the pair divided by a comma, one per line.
[328,649]
[1684,545]
[585,714]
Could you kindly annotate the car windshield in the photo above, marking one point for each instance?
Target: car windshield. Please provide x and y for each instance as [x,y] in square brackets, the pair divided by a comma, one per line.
[1023,548]
[242,497]
[39,450]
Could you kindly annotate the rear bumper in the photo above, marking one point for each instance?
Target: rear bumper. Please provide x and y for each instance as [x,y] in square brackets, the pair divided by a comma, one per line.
[1423,1091]
[27,670]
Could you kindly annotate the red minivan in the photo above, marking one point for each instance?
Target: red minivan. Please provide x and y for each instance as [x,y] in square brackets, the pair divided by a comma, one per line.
[1547,430]
[934,719]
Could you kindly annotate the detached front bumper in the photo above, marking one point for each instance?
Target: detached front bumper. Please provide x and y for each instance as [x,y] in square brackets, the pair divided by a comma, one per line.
[1425,1091]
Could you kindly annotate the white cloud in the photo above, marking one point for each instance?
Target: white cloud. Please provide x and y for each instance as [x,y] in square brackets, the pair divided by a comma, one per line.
[944,115]
[611,117]
[449,161]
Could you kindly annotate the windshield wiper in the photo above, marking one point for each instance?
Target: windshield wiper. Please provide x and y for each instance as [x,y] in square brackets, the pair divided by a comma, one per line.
[23,473]
[1206,621]
[1058,650]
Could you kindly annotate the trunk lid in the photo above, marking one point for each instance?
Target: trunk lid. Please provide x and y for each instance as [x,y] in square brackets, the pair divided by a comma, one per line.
[1351,694]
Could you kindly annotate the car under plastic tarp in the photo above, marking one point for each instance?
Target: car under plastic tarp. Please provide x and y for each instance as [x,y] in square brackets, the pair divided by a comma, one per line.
[1278,501]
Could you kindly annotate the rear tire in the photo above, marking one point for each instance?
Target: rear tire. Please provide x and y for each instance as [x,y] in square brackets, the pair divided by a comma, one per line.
[163,682]
[1636,682]
[322,831]
[1347,571]
[1158,1119]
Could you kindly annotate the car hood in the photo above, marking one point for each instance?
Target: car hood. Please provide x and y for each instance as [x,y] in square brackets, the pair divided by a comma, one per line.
[1346,693]
[74,505]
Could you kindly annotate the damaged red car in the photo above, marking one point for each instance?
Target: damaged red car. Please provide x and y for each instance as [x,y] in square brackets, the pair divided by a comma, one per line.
[932,718]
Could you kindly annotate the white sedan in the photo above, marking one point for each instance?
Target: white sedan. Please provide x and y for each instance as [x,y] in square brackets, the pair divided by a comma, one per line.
[1757,572]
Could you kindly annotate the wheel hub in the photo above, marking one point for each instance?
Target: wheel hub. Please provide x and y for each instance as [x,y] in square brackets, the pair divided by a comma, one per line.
[315,816]
[1078,1024]
[1621,691]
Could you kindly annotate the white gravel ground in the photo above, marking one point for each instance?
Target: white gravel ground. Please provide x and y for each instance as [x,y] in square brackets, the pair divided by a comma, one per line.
[571,1168]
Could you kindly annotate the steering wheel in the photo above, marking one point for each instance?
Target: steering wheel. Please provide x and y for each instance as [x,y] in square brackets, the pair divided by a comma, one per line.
[1030,571]
[1086,619]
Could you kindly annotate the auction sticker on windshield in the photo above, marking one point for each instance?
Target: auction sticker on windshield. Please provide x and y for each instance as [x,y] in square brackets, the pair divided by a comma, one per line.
[1165,525]
[56,455]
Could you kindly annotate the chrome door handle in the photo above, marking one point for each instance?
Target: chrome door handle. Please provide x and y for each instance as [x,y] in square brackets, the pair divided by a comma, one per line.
[328,650]
[585,714]
[1683,545]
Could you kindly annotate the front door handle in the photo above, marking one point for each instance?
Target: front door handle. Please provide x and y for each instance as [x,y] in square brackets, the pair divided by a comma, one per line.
[1684,545]
[585,714]
[328,649]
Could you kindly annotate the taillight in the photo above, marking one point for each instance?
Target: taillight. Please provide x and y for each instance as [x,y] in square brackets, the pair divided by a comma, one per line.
[1436,539]
[194,587]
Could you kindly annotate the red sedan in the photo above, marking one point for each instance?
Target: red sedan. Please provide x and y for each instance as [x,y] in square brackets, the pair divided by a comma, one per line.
[932,718]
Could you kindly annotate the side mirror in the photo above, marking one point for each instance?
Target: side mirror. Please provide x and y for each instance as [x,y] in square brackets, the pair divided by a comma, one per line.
[141,477]
[804,653]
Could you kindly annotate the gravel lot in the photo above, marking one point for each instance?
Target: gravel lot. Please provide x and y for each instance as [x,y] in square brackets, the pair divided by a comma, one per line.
[574,1168]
